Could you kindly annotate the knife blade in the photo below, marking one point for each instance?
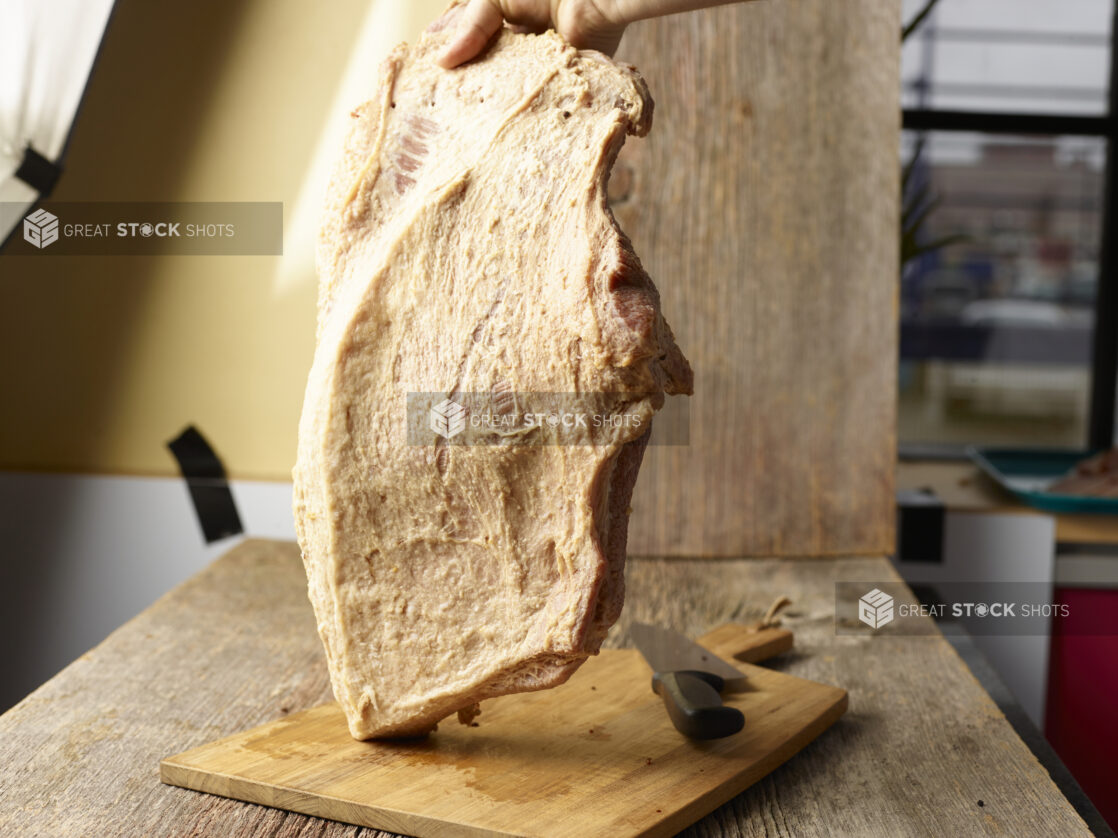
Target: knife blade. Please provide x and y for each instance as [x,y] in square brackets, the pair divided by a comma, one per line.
[690,679]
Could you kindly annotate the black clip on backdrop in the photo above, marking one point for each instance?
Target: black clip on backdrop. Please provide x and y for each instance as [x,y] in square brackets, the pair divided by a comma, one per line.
[209,488]
[38,172]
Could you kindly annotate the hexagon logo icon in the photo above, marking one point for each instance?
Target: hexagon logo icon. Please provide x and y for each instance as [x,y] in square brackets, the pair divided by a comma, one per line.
[40,228]
[875,609]
[448,419]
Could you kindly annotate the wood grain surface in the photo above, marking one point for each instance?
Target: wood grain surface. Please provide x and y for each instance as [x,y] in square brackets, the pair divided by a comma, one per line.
[596,756]
[764,204]
[235,647]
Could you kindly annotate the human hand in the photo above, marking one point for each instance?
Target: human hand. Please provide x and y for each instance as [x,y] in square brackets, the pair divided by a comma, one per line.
[586,24]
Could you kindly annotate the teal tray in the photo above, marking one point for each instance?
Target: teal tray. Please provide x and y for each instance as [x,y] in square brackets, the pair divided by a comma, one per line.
[1028,472]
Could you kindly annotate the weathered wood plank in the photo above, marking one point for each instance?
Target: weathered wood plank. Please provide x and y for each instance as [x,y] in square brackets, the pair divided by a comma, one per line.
[764,205]
[235,646]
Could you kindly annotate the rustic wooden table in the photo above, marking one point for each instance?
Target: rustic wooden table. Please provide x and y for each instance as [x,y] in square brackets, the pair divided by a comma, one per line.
[923,750]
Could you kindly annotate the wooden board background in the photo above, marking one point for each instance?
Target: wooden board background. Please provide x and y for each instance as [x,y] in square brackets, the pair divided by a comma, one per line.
[597,756]
[764,204]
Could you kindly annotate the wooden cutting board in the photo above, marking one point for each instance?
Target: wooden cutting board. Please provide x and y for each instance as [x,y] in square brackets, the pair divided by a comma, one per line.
[597,756]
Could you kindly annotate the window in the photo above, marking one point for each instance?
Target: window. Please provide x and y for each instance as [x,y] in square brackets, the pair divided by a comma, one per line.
[1019,56]
[1008,303]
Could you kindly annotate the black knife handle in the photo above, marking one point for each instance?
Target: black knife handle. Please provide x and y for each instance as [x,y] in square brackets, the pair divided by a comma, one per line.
[694,704]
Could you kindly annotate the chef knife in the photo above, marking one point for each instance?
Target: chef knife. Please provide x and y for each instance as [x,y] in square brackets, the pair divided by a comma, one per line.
[690,681]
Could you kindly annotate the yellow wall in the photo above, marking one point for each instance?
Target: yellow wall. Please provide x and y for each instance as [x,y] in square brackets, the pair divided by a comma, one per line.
[106,358]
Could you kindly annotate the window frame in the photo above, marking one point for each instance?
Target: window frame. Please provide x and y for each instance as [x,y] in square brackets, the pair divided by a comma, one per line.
[1101,431]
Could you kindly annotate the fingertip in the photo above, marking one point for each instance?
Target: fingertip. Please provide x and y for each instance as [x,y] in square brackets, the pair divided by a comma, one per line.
[481,20]
[463,47]
[452,55]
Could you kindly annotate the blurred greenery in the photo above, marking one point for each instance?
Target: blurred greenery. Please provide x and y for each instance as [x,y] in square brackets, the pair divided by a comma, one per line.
[918,204]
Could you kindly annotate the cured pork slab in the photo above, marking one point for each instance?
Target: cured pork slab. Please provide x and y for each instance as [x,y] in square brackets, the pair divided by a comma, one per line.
[467,248]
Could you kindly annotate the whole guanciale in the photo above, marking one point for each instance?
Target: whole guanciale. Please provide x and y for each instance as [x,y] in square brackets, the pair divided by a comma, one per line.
[467,247]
